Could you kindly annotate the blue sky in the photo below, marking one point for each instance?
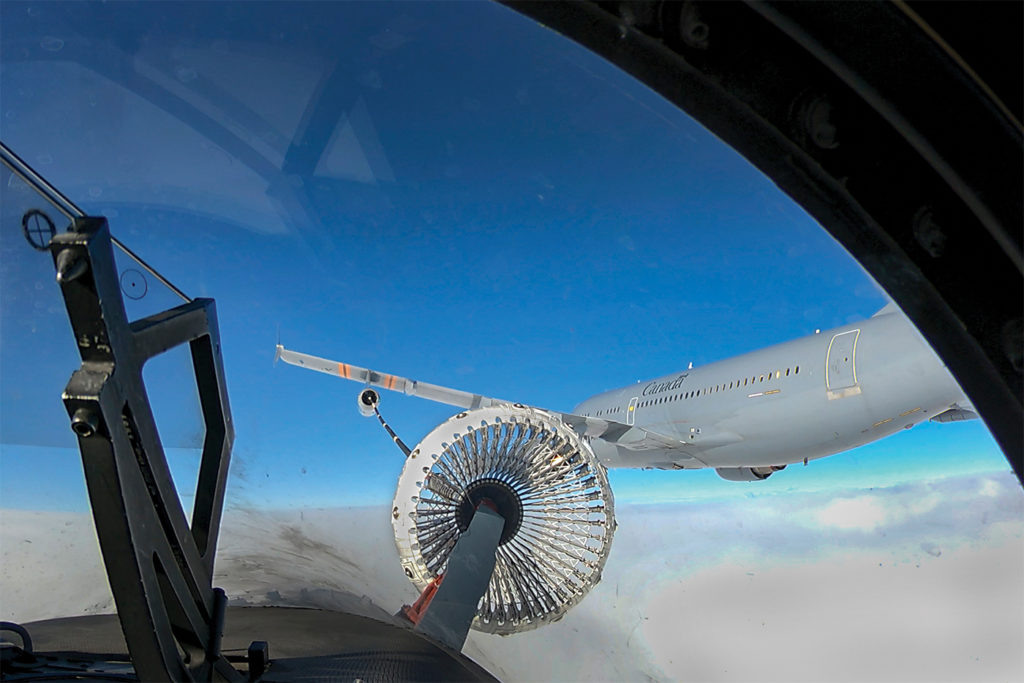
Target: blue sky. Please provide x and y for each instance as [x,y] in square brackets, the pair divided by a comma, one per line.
[488,207]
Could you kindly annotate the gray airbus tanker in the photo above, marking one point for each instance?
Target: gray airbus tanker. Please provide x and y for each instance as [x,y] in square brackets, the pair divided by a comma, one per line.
[746,416]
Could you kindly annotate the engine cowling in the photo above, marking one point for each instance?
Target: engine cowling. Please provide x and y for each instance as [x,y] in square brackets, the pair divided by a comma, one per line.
[367,401]
[748,473]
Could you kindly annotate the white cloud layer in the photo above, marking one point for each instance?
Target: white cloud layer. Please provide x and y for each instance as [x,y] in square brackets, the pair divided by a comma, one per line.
[869,512]
[915,582]
[864,512]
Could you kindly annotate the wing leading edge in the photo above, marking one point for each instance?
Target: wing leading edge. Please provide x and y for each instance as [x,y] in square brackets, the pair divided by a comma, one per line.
[625,436]
[431,392]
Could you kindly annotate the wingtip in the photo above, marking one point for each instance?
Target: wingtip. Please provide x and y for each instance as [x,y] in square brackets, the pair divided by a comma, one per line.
[277,353]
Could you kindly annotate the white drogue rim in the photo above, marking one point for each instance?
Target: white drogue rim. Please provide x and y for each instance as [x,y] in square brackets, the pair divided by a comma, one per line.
[568,521]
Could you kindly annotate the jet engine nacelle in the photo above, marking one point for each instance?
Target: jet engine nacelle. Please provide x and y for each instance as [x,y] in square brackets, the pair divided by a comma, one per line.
[367,401]
[748,473]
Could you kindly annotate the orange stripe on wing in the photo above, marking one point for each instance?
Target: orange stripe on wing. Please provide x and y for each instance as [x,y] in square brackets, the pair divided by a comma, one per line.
[343,370]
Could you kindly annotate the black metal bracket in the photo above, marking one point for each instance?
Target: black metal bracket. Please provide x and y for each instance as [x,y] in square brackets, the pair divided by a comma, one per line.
[160,568]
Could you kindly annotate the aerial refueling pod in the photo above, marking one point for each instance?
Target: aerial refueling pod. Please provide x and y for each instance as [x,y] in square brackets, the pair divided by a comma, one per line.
[367,401]
[748,473]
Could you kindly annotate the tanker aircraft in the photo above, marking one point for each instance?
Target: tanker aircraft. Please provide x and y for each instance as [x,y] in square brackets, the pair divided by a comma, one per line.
[747,416]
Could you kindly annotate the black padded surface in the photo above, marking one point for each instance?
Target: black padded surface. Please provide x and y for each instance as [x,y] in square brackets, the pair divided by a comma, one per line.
[305,645]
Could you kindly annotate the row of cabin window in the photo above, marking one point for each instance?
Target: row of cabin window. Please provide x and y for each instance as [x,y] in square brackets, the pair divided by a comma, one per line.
[756,379]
